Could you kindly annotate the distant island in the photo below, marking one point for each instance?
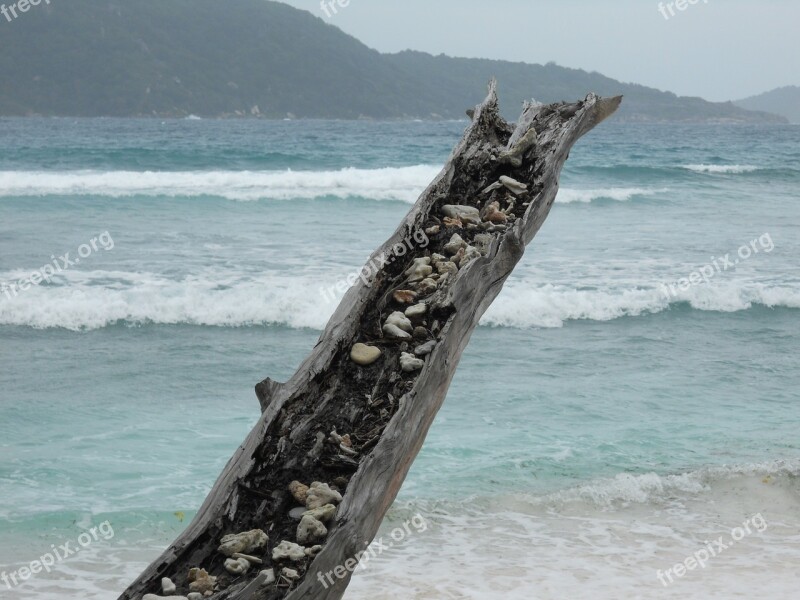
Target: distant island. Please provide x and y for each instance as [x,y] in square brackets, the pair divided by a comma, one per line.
[783,101]
[256,58]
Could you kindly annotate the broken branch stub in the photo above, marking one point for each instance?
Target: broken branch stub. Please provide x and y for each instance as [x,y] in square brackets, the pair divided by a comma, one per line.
[345,429]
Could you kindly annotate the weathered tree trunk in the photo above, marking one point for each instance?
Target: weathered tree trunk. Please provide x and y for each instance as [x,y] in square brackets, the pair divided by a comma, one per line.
[386,411]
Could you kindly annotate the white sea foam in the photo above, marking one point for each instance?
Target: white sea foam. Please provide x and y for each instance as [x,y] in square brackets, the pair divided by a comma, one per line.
[521,548]
[568,195]
[96,299]
[402,183]
[606,539]
[521,305]
[722,169]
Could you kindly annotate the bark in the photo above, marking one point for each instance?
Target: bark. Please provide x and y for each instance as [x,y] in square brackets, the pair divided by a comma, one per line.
[386,412]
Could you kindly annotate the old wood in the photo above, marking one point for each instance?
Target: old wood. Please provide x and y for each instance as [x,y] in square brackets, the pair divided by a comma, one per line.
[386,412]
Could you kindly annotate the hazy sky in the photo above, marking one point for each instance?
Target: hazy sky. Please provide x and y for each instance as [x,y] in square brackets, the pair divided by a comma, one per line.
[717,49]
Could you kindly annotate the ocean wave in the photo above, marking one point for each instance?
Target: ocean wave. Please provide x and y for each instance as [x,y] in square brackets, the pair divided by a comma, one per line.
[722,169]
[608,538]
[568,195]
[401,183]
[521,306]
[652,488]
[93,300]
[404,184]
[619,491]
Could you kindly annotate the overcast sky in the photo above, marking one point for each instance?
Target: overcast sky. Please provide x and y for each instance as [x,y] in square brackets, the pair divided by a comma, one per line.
[717,49]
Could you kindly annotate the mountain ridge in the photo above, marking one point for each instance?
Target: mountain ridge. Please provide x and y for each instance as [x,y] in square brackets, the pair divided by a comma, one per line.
[261,58]
[783,101]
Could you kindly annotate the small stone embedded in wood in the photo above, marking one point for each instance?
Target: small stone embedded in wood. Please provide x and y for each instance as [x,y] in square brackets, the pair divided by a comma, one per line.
[405,296]
[364,355]
[245,543]
[455,244]
[168,587]
[310,531]
[410,363]
[514,186]
[288,551]
[467,214]
[299,491]
[320,494]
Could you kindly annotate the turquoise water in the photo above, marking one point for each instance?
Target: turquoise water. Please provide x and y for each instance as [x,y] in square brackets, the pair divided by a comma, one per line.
[599,428]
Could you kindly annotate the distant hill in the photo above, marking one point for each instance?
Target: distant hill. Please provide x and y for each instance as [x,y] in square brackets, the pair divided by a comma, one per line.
[262,58]
[783,101]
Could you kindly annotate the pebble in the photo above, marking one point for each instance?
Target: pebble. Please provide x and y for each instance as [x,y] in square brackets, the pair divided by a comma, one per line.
[470,254]
[482,241]
[420,269]
[398,326]
[238,566]
[432,230]
[244,543]
[494,214]
[200,581]
[253,560]
[495,186]
[425,349]
[290,574]
[409,363]
[310,531]
[514,186]
[323,514]
[288,551]
[468,214]
[313,551]
[347,450]
[298,491]
[420,333]
[168,587]
[364,355]
[448,222]
[321,494]
[395,332]
[417,311]
[154,597]
[195,596]
[268,577]
[446,266]
[404,296]
[455,244]
[427,286]
[400,321]
[297,513]
[459,255]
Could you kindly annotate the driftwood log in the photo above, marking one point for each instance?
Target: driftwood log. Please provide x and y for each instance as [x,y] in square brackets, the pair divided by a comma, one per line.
[384,411]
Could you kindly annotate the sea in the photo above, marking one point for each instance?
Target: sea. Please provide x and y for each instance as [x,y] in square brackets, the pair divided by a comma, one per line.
[625,422]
